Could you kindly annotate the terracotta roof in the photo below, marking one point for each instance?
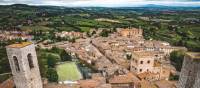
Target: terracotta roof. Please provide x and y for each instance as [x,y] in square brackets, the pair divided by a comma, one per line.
[165,84]
[146,84]
[121,79]
[20,45]
[55,85]
[143,54]
[146,74]
[88,83]
[9,83]
[157,64]
[105,86]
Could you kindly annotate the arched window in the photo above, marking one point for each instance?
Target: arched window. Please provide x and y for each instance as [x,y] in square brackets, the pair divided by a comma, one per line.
[16,63]
[30,61]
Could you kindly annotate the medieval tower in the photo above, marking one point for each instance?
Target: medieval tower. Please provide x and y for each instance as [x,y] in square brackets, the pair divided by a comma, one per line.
[190,72]
[24,65]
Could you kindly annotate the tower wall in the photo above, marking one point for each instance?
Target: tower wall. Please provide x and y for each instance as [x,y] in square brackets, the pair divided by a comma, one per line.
[190,73]
[25,77]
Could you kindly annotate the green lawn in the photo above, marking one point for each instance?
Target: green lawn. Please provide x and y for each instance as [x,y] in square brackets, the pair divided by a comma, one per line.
[68,72]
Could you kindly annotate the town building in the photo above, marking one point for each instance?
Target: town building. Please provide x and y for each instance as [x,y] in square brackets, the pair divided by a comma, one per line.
[131,32]
[128,80]
[71,34]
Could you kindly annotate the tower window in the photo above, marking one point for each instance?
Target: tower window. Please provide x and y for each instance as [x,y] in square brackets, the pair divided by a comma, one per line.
[141,62]
[16,64]
[148,61]
[30,61]
[140,70]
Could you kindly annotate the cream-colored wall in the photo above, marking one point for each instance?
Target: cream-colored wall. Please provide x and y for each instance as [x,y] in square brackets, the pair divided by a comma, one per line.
[143,66]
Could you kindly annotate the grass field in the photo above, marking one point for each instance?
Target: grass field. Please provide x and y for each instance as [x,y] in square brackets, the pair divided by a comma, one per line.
[68,72]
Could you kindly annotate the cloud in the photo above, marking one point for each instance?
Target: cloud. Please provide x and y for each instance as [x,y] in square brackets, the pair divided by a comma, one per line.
[104,3]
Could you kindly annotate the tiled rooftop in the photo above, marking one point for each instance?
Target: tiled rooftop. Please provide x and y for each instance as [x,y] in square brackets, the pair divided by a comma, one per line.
[128,78]
[157,64]
[19,45]
[144,54]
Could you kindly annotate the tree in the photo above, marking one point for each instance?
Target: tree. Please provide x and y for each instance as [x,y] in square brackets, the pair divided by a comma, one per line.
[129,56]
[52,75]
[55,50]
[65,56]
[93,32]
[88,34]
[41,63]
[52,60]
[177,57]
[173,77]
[104,33]
[73,40]
[114,29]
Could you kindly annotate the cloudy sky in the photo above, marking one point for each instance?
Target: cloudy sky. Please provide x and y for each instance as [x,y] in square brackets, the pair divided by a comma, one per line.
[104,3]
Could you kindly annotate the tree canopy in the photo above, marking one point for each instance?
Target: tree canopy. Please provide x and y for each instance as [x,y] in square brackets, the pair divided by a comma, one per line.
[176,58]
[52,75]
[52,60]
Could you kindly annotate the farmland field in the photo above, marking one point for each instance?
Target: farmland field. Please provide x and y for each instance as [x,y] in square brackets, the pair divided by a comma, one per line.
[68,71]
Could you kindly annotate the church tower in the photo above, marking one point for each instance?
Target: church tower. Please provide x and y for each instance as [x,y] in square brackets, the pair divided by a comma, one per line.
[24,65]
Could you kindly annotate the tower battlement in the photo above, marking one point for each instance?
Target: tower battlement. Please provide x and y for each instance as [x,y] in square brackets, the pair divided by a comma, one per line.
[19,45]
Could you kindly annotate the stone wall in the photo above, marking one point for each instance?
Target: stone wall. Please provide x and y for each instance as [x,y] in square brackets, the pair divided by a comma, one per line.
[190,73]
[27,77]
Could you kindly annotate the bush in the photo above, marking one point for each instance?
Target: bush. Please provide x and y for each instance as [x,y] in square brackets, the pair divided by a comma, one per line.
[52,75]
[65,56]
[52,60]
[104,33]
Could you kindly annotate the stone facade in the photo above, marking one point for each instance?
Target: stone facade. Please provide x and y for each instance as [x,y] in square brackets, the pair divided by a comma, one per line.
[131,32]
[190,72]
[143,62]
[24,65]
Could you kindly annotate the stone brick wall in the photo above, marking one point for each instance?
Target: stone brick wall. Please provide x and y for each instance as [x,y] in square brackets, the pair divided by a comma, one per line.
[26,77]
[190,73]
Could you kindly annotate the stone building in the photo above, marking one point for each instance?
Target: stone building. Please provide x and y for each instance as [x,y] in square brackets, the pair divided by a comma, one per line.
[131,32]
[190,72]
[146,65]
[24,65]
[142,62]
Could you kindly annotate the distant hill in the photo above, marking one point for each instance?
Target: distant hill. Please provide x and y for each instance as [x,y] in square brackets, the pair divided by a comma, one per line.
[154,5]
[163,6]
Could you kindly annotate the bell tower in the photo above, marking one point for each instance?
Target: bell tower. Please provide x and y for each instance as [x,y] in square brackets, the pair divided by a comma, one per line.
[24,65]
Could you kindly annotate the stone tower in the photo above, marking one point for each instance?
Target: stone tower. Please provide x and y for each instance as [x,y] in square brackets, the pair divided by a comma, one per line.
[24,65]
[190,72]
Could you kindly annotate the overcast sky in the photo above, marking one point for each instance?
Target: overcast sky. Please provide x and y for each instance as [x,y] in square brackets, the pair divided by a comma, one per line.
[104,3]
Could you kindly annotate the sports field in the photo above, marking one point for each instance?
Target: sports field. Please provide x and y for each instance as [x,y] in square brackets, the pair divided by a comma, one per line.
[68,71]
